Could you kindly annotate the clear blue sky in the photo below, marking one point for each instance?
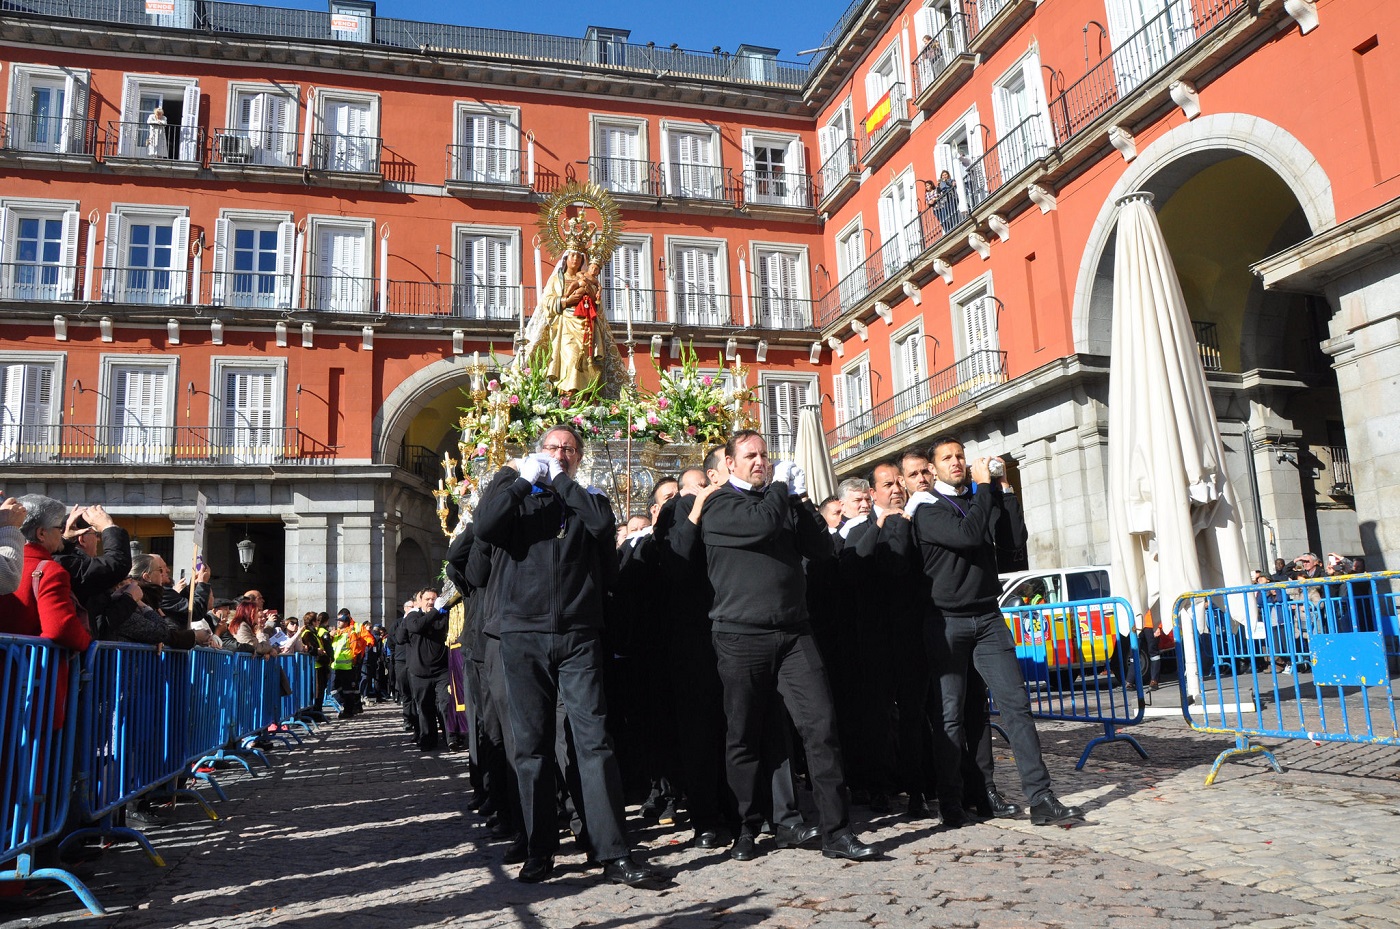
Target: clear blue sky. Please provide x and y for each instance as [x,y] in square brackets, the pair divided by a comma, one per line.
[788,25]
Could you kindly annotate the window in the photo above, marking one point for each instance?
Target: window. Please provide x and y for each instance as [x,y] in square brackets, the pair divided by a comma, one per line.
[907,359]
[692,163]
[881,77]
[146,256]
[975,323]
[619,156]
[160,119]
[38,250]
[28,407]
[262,127]
[607,46]
[852,396]
[898,214]
[49,110]
[141,396]
[342,281]
[1018,104]
[1146,34]
[695,271]
[626,282]
[959,152]
[774,171]
[352,20]
[348,139]
[253,258]
[488,146]
[488,273]
[850,257]
[248,412]
[783,399]
[780,293]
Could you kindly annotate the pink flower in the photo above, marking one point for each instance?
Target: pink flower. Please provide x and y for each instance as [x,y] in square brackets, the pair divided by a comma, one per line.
[525,371]
[651,419]
[596,430]
[578,420]
[493,384]
[565,403]
[690,430]
[634,427]
[706,381]
[480,450]
[663,403]
[617,433]
[714,410]
[514,399]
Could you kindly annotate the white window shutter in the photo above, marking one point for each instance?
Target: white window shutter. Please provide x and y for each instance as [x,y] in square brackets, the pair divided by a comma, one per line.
[179,259]
[6,217]
[12,380]
[75,111]
[223,245]
[826,142]
[113,274]
[131,130]
[38,400]
[68,260]
[874,89]
[286,262]
[926,27]
[189,125]
[256,106]
[838,396]
[888,223]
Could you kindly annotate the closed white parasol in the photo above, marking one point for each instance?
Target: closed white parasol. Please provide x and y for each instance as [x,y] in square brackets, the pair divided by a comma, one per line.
[812,456]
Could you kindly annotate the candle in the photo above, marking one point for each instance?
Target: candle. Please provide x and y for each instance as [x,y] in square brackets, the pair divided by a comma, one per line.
[629,325]
[441,488]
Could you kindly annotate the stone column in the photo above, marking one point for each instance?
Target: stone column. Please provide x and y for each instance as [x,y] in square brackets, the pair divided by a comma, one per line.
[355,568]
[305,573]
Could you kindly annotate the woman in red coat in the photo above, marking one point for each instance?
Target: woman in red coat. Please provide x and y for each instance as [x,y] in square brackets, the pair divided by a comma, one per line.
[43,605]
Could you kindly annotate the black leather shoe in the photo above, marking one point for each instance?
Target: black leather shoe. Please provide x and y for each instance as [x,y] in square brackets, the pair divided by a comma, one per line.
[954,817]
[1049,811]
[634,874]
[917,808]
[535,870]
[745,848]
[879,803]
[847,846]
[999,806]
[517,851]
[797,836]
[711,838]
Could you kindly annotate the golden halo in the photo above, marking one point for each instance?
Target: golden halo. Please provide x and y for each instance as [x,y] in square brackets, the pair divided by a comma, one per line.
[554,216]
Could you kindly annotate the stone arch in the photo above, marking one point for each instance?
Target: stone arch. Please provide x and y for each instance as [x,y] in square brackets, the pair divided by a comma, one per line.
[409,399]
[1163,167]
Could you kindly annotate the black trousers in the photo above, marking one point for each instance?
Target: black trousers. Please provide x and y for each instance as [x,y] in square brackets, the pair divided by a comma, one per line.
[543,669]
[698,697]
[401,681]
[432,701]
[497,740]
[762,673]
[956,643]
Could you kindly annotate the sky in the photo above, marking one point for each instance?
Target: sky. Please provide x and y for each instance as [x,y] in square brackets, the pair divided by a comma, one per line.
[788,25]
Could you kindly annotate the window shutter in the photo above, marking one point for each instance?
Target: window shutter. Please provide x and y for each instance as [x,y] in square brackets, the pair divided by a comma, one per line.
[926,26]
[22,103]
[826,142]
[179,259]
[498,274]
[358,262]
[189,125]
[68,259]
[838,395]
[256,106]
[223,244]
[75,111]
[113,275]
[12,378]
[6,217]
[286,261]
[38,404]
[874,89]
[131,130]
[888,224]
[1038,143]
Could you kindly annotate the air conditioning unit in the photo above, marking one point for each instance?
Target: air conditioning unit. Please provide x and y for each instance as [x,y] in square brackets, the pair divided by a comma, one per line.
[235,149]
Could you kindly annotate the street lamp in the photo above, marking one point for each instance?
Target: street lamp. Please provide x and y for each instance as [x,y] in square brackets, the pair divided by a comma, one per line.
[246,549]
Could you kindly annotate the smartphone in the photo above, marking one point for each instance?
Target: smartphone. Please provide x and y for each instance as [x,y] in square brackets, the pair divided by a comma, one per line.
[182,574]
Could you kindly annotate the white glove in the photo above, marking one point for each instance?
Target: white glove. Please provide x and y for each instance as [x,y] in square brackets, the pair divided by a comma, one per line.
[782,471]
[555,468]
[533,468]
[797,483]
[440,603]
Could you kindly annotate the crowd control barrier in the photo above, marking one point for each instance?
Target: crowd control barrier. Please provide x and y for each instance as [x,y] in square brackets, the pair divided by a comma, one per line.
[1314,659]
[119,723]
[38,728]
[1074,669]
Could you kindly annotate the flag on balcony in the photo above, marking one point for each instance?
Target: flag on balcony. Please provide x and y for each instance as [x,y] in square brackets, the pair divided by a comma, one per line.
[879,114]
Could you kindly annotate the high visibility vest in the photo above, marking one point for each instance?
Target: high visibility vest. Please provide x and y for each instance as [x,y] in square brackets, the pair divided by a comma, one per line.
[343,655]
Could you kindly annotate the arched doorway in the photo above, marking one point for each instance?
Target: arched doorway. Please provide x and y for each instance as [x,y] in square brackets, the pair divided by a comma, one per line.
[1224,205]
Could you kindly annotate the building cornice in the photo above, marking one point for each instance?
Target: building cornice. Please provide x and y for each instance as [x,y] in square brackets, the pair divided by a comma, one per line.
[1315,262]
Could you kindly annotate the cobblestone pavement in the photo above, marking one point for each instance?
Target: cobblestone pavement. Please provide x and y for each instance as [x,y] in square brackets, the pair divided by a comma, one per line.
[357,830]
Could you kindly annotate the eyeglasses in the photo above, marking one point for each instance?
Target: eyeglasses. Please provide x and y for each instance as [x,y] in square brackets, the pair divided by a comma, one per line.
[565,449]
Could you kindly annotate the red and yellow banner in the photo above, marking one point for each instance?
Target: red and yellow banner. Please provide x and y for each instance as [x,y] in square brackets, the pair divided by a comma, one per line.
[878,115]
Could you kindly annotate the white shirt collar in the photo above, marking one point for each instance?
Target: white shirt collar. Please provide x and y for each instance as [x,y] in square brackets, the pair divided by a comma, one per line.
[948,490]
[741,484]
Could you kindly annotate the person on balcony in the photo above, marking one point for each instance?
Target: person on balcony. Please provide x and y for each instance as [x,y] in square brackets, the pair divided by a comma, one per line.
[157,145]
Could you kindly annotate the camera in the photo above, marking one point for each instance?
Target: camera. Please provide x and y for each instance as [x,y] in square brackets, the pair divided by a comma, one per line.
[995,468]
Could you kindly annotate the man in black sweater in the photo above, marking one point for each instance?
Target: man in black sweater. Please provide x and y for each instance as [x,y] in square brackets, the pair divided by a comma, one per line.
[958,531]
[553,559]
[757,528]
[426,631]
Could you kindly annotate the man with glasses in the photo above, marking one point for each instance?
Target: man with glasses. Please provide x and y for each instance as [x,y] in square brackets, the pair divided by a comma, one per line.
[552,560]
[42,604]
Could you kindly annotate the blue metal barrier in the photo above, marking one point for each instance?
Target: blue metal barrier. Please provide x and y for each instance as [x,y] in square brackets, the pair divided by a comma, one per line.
[1074,669]
[38,726]
[1315,659]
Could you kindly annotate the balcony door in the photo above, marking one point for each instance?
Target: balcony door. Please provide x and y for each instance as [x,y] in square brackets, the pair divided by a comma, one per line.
[852,398]
[778,300]
[693,165]
[488,277]
[489,150]
[139,422]
[50,111]
[253,261]
[171,134]
[146,258]
[26,412]
[619,160]
[697,286]
[626,291]
[38,254]
[1146,34]
[349,142]
[907,355]
[1020,113]
[980,366]
[250,416]
[898,230]
[783,399]
[342,270]
[265,132]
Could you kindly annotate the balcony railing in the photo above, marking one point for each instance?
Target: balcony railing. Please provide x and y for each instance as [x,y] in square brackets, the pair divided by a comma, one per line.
[1340,458]
[1134,62]
[130,443]
[340,293]
[643,306]
[48,135]
[485,164]
[461,301]
[775,311]
[692,306]
[839,165]
[981,12]
[154,142]
[778,188]
[625,175]
[145,285]
[1013,153]
[256,147]
[898,115]
[1208,345]
[916,405]
[695,181]
[263,290]
[37,282]
[935,57]
[349,154]
[420,461]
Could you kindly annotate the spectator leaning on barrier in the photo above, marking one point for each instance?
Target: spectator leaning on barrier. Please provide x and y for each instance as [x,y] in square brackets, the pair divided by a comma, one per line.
[172,598]
[42,604]
[343,667]
[11,544]
[94,572]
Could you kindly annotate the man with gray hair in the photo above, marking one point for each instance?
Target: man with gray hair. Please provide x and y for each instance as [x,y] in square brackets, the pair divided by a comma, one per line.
[552,560]
[43,606]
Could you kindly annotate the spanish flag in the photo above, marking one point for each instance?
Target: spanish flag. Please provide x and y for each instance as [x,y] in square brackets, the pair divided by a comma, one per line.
[878,116]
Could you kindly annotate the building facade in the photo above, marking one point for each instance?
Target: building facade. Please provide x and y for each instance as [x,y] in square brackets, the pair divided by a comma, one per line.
[247,252]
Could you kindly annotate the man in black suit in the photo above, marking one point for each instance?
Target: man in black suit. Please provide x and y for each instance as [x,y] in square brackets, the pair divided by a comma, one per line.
[426,631]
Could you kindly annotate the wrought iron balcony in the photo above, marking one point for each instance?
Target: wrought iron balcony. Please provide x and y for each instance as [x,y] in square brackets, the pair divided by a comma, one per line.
[265,290]
[487,165]
[149,286]
[626,176]
[154,142]
[255,148]
[459,300]
[1208,345]
[340,293]
[641,306]
[1134,62]
[840,176]
[47,135]
[881,139]
[1339,462]
[345,154]
[696,181]
[1015,151]
[775,311]
[942,63]
[131,443]
[917,405]
[778,188]
[37,282]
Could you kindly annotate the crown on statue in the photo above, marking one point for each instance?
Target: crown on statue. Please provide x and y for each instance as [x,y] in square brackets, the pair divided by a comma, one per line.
[578,234]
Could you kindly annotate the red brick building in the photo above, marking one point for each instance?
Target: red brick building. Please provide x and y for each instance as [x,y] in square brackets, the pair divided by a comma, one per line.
[268,291]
